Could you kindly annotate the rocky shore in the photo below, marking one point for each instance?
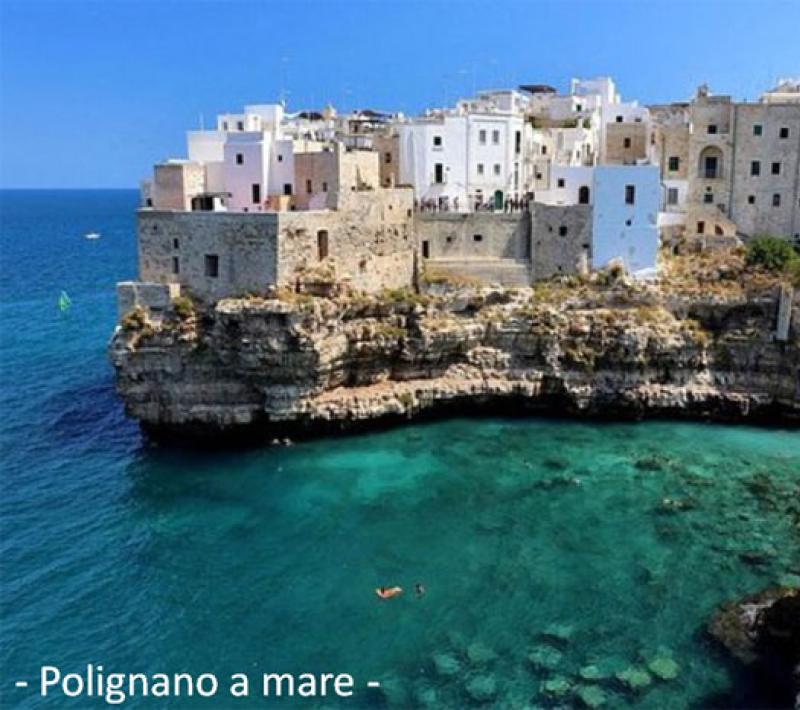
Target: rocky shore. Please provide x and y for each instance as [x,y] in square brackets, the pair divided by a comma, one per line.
[762,631]
[700,343]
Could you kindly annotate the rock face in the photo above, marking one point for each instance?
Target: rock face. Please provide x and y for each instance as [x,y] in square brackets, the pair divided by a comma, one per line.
[763,632]
[297,364]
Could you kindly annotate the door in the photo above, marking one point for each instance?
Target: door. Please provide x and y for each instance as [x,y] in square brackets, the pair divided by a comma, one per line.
[498,199]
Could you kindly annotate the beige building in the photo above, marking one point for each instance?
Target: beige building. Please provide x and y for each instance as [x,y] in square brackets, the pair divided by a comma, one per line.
[740,161]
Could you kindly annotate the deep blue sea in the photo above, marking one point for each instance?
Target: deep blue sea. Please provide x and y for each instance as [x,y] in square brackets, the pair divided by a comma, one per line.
[544,546]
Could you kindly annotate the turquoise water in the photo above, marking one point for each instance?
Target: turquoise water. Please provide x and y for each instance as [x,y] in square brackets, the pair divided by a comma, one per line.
[156,560]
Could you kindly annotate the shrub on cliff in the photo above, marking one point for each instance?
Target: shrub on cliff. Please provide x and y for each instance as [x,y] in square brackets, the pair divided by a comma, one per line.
[770,253]
[134,320]
[183,306]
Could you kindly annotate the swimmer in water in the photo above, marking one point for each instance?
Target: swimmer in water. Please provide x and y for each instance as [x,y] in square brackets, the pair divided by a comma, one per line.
[419,590]
[388,592]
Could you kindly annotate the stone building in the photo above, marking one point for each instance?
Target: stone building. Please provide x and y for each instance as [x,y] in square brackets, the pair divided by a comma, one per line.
[740,162]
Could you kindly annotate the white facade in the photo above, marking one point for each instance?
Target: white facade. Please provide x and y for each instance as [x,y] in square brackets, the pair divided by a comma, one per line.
[471,154]
[625,217]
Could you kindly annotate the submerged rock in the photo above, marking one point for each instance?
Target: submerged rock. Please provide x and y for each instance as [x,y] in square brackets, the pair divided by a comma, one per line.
[560,633]
[591,696]
[634,678]
[593,672]
[446,664]
[557,687]
[479,654]
[664,667]
[481,688]
[545,658]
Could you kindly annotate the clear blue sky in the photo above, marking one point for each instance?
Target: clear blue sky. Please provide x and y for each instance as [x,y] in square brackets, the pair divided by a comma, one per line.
[93,93]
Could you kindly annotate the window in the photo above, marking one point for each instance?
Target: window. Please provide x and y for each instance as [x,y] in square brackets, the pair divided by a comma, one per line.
[619,119]
[518,142]
[287,188]
[674,163]
[776,200]
[387,158]
[240,125]
[784,132]
[325,186]
[482,137]
[561,182]
[630,194]
[497,168]
[711,167]
[751,199]
[544,150]
[562,231]
[176,265]
[712,129]
[256,190]
[437,141]
[322,244]
[212,265]
[477,237]
[309,187]
[701,227]
[757,129]
[583,195]
[438,173]
[480,168]
[224,125]
[426,249]
[708,198]
[579,107]
[495,137]
[176,244]
[239,158]
[672,196]
[776,168]
[755,167]
[280,158]
[626,142]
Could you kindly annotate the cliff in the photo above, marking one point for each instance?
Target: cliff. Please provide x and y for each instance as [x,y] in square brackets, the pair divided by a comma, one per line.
[701,344]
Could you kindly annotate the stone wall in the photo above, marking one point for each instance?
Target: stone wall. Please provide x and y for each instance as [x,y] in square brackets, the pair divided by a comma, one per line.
[174,185]
[245,247]
[370,244]
[751,202]
[562,239]
[617,152]
[452,235]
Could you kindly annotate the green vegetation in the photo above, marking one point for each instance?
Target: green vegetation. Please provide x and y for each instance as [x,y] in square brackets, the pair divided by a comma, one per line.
[183,306]
[134,320]
[402,296]
[770,253]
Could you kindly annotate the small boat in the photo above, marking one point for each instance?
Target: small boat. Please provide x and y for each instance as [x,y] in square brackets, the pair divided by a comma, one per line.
[64,302]
[92,235]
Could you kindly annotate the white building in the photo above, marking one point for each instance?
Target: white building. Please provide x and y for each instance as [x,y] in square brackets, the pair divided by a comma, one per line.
[625,216]
[467,155]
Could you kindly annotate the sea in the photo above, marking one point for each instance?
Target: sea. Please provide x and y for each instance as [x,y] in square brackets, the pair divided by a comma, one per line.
[542,560]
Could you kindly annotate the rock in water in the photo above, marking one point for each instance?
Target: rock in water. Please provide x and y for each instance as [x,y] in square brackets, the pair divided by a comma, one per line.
[557,687]
[635,679]
[482,688]
[446,664]
[545,658]
[763,632]
[479,654]
[591,696]
[664,667]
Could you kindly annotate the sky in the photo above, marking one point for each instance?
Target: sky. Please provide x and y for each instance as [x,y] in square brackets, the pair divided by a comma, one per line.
[92,93]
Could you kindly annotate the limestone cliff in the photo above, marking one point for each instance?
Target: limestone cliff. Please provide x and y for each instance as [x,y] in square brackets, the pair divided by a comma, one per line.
[296,363]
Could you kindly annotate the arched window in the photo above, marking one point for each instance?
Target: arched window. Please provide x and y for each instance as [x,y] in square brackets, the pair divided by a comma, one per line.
[583,195]
[710,164]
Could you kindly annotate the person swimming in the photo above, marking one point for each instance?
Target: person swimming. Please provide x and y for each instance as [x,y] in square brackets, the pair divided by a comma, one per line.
[388,592]
[419,590]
